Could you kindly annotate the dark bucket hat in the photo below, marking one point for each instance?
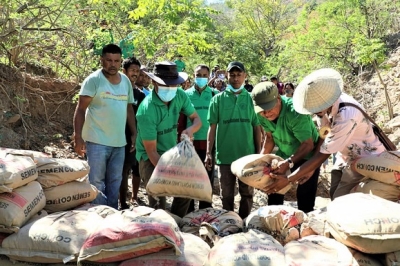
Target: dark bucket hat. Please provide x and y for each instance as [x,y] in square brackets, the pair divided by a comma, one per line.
[166,73]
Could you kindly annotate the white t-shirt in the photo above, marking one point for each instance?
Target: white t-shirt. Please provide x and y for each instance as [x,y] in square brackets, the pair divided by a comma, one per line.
[351,133]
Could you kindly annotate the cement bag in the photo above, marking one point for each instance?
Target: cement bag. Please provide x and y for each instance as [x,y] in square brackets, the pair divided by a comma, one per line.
[194,253]
[383,167]
[317,251]
[392,258]
[377,188]
[362,259]
[55,172]
[124,235]
[69,195]
[180,173]
[250,248]
[279,221]
[365,222]
[210,224]
[254,170]
[102,210]
[17,207]
[315,224]
[55,238]
[4,152]
[16,171]
[5,261]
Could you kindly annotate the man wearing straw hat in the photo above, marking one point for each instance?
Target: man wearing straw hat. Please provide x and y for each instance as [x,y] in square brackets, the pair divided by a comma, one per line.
[348,132]
[157,119]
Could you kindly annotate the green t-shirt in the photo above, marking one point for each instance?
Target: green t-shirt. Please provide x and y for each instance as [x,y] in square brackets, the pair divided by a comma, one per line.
[106,114]
[290,130]
[235,119]
[180,65]
[201,103]
[157,121]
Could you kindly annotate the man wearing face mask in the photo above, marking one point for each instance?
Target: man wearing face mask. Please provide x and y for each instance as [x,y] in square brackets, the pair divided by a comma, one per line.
[157,119]
[235,129]
[200,95]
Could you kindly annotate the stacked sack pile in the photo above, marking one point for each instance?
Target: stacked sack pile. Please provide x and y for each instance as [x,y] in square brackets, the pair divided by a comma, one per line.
[356,229]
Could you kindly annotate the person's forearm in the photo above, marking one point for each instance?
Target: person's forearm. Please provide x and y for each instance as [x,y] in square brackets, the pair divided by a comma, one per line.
[257,138]
[310,165]
[196,125]
[302,151]
[79,120]
[154,157]
[268,145]
[131,120]
[210,138]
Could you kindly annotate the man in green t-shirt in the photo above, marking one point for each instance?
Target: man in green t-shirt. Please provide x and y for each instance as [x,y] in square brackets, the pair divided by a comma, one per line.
[236,131]
[294,134]
[157,119]
[200,95]
[180,65]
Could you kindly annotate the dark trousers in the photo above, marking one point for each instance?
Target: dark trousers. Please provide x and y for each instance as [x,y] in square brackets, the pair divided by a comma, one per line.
[227,182]
[204,204]
[305,193]
[179,205]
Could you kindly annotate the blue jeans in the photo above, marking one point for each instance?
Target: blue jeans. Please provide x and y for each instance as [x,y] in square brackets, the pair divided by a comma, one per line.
[105,173]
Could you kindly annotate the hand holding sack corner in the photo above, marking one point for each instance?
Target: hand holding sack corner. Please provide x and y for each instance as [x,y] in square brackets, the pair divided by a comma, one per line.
[180,173]
[255,169]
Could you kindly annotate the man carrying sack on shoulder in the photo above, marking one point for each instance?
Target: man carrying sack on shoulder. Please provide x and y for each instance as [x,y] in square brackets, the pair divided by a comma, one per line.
[346,131]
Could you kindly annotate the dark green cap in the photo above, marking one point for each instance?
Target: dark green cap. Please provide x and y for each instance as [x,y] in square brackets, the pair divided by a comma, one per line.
[265,96]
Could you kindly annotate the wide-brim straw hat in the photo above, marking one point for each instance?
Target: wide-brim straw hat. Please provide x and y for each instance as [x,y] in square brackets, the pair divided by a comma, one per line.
[318,91]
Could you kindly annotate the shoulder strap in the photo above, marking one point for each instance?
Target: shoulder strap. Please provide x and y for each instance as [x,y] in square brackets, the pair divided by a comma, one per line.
[361,110]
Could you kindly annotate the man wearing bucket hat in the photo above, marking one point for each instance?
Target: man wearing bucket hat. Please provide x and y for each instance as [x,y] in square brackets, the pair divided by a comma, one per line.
[157,119]
[236,131]
[349,133]
[295,136]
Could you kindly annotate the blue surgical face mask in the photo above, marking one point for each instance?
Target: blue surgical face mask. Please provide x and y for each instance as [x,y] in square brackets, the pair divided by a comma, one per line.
[166,94]
[229,87]
[201,82]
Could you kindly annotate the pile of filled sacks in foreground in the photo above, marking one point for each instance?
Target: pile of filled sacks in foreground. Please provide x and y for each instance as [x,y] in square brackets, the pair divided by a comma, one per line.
[356,229]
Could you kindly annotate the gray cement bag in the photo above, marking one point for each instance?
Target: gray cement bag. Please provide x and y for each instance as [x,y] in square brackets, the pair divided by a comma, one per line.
[56,238]
[55,172]
[365,222]
[17,207]
[16,171]
[69,195]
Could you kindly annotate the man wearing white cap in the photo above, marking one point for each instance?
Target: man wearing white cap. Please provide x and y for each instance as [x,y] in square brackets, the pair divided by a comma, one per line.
[348,132]
[157,119]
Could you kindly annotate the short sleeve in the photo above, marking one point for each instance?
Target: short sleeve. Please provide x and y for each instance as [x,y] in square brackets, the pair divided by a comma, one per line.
[187,106]
[147,128]
[302,127]
[89,86]
[131,99]
[212,116]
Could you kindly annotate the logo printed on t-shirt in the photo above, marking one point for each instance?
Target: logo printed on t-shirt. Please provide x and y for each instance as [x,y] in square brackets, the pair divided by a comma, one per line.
[109,95]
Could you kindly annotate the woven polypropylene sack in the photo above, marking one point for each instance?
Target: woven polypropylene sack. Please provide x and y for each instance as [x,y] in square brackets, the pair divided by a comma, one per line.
[69,195]
[365,222]
[125,235]
[55,238]
[55,172]
[180,173]
[251,248]
[377,188]
[317,251]
[255,169]
[383,167]
[194,253]
[17,207]
[16,171]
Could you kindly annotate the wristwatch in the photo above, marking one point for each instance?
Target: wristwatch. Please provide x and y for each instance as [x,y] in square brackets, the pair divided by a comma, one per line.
[291,164]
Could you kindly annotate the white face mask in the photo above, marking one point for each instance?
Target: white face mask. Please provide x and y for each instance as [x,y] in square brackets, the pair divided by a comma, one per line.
[166,94]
